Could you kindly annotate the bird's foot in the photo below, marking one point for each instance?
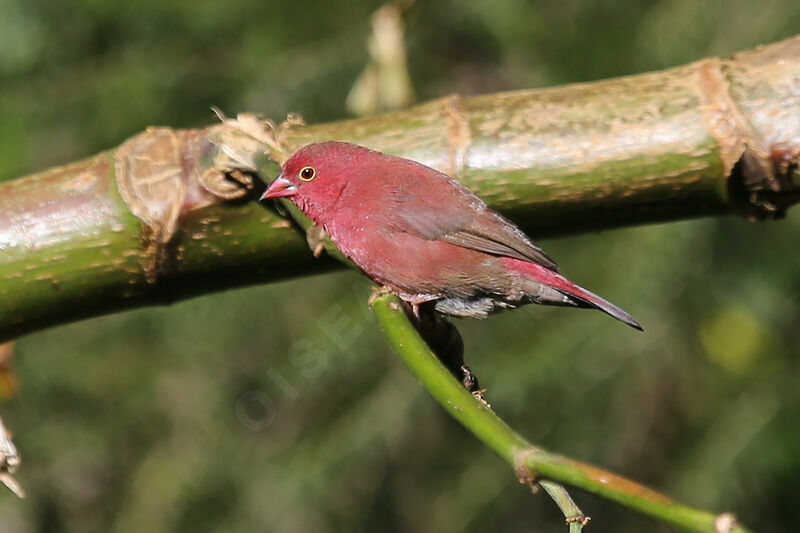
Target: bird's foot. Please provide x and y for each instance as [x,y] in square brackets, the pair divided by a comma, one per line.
[468,379]
[470,382]
[443,338]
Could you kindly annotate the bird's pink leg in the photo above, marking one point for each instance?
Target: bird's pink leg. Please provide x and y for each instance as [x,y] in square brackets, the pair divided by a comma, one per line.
[415,301]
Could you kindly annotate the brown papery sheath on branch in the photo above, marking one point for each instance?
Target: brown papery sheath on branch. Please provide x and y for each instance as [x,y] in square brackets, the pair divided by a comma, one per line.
[169,214]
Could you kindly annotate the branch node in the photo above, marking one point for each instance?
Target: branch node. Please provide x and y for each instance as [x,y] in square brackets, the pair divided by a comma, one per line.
[150,179]
[162,173]
[583,520]
[525,474]
[756,174]
[458,134]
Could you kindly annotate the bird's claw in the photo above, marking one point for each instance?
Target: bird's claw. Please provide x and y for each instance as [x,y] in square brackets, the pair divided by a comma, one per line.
[478,394]
[470,382]
[468,379]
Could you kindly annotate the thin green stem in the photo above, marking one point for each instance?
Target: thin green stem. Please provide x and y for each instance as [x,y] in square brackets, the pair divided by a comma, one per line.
[575,517]
[530,462]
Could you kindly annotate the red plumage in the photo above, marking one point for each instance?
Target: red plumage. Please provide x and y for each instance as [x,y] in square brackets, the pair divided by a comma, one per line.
[423,234]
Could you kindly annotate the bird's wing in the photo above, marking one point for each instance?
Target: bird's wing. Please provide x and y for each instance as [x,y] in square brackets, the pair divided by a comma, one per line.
[449,212]
[493,234]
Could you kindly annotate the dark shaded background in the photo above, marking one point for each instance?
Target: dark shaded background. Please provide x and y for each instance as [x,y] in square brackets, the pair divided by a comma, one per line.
[279,408]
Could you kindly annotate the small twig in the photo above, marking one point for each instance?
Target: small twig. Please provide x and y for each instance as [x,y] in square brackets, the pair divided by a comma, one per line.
[575,518]
[531,463]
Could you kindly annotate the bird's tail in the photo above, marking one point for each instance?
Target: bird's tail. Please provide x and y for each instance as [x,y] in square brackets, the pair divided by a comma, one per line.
[592,300]
[561,287]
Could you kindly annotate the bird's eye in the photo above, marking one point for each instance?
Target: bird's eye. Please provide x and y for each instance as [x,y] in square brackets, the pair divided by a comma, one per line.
[308,173]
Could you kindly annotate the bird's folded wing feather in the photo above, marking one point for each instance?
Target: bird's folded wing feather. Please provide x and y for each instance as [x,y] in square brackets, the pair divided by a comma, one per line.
[461,218]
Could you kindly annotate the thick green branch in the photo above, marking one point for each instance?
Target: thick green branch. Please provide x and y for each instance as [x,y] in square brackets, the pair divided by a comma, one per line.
[160,218]
[529,462]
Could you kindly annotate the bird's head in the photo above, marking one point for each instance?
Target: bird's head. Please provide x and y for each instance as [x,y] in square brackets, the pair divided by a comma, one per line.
[315,176]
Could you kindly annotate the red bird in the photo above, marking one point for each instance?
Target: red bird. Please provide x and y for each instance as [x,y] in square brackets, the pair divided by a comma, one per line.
[423,234]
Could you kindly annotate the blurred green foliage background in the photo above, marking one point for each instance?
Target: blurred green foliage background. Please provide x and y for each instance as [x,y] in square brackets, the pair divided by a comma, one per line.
[279,408]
